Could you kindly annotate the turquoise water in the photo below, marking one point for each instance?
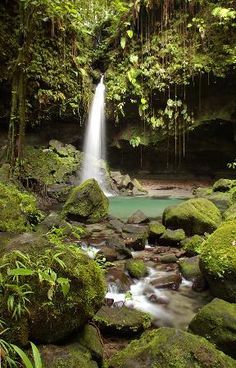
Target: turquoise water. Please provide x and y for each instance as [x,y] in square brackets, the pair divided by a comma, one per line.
[123,207]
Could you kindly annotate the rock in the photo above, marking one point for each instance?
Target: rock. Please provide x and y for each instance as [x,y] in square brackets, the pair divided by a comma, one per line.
[122,251]
[172,238]
[139,187]
[27,243]
[109,253]
[53,220]
[87,203]
[156,230]
[167,282]
[168,258]
[90,338]
[122,321]
[67,289]
[230,213]
[117,225]
[135,236]
[138,218]
[136,268]
[18,210]
[192,245]
[221,200]
[72,355]
[199,284]
[223,185]
[189,267]
[216,322]
[116,275]
[218,261]
[59,192]
[202,192]
[171,348]
[195,216]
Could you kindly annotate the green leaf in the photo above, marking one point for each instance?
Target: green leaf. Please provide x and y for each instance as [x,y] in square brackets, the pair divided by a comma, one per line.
[37,357]
[20,272]
[133,59]
[130,33]
[123,42]
[23,356]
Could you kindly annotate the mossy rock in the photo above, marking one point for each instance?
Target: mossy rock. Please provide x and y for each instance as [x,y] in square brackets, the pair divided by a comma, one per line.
[86,202]
[122,321]
[218,261]
[195,216]
[216,322]
[230,213]
[172,238]
[202,192]
[90,338]
[223,185]
[156,230]
[171,348]
[192,244]
[189,267]
[136,268]
[221,200]
[18,210]
[67,356]
[66,289]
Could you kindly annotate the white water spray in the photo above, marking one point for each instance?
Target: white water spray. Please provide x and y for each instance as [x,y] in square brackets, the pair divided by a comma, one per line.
[94,145]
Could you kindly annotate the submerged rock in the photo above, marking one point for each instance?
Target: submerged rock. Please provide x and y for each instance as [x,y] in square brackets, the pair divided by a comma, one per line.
[171,348]
[195,216]
[86,202]
[216,322]
[218,261]
[122,321]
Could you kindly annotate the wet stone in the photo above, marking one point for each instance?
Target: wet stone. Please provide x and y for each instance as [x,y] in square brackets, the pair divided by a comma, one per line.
[167,282]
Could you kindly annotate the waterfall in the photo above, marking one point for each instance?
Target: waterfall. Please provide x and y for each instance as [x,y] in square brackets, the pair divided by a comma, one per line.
[94,144]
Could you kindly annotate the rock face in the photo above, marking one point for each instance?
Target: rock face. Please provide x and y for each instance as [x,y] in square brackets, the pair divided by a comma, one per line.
[216,322]
[218,261]
[86,203]
[18,210]
[195,216]
[171,348]
[66,289]
[122,321]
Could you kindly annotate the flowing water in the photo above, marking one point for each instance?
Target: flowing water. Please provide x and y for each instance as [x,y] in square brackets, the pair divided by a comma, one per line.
[94,144]
[123,207]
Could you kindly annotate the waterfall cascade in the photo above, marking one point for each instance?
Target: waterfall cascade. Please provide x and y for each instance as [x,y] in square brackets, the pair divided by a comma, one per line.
[94,144]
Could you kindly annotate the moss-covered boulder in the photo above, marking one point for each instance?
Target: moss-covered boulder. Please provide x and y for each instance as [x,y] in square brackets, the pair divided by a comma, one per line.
[221,200]
[58,289]
[230,213]
[156,230]
[216,322]
[195,216]
[202,192]
[218,261]
[171,348]
[192,244]
[172,238]
[136,268]
[122,321]
[224,185]
[90,338]
[66,356]
[86,202]
[18,210]
[189,267]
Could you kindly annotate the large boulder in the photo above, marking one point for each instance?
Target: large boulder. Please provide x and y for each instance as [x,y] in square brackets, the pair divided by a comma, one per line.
[223,185]
[221,200]
[195,216]
[18,210]
[86,202]
[171,348]
[216,322]
[230,213]
[218,261]
[53,291]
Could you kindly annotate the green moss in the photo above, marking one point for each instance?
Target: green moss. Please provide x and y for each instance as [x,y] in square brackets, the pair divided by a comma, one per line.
[230,213]
[223,185]
[122,320]
[172,237]
[67,288]
[193,244]
[48,166]
[221,200]
[87,202]
[91,339]
[156,229]
[18,209]
[218,261]
[202,192]
[216,322]
[189,267]
[171,348]
[136,268]
[195,216]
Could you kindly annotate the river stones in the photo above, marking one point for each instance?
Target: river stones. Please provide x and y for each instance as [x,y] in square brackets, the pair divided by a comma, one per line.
[216,322]
[171,348]
[121,321]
